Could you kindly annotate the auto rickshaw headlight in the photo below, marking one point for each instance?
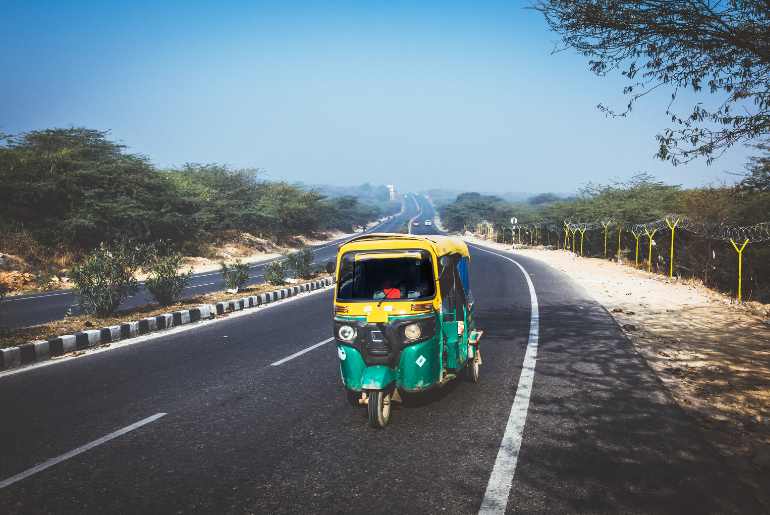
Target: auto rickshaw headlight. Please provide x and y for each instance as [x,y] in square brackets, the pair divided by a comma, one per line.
[346,333]
[412,332]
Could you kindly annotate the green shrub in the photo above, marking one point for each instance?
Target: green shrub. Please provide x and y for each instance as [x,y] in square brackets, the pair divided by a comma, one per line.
[105,278]
[300,263]
[275,273]
[165,282]
[235,275]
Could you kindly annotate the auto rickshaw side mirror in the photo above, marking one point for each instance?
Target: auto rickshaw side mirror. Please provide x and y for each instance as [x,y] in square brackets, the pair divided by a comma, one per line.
[329,267]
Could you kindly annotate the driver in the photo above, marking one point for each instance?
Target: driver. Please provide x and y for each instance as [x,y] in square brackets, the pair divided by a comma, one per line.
[388,291]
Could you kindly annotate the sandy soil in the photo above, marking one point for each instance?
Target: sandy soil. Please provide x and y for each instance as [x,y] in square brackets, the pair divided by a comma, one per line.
[15,276]
[712,354]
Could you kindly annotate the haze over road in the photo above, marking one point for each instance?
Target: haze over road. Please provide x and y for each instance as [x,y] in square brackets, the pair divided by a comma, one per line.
[242,436]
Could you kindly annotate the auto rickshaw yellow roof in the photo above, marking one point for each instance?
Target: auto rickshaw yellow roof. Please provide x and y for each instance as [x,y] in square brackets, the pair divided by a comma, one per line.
[440,245]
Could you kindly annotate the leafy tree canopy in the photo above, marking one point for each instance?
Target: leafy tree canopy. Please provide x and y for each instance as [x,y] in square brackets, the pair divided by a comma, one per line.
[718,46]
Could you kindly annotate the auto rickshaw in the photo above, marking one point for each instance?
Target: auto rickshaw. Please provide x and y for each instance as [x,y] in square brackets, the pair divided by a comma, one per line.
[403,318]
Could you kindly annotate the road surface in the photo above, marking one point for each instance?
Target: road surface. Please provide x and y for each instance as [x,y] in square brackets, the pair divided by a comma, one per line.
[242,436]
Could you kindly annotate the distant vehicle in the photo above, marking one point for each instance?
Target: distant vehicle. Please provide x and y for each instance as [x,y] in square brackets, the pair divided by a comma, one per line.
[416,224]
[428,222]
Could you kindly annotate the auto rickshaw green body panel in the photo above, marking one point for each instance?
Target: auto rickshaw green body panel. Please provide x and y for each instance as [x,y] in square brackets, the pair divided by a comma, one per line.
[410,366]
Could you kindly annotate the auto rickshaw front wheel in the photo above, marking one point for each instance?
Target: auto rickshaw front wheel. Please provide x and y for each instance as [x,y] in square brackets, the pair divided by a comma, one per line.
[473,368]
[378,406]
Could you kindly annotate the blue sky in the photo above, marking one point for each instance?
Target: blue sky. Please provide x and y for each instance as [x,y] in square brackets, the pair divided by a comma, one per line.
[421,94]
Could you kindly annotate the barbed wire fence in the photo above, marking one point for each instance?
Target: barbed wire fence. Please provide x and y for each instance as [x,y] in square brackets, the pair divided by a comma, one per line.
[571,236]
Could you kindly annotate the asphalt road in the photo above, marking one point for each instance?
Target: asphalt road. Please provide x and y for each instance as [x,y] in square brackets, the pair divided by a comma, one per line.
[39,308]
[242,436]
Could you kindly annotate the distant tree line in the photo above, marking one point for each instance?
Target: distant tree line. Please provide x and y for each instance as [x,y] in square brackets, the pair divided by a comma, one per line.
[75,188]
[640,200]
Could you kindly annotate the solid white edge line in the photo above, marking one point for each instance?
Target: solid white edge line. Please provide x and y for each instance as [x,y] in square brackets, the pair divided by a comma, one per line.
[67,455]
[501,479]
[415,217]
[299,353]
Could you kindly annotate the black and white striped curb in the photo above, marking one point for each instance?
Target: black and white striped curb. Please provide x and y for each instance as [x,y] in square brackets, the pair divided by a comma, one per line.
[33,352]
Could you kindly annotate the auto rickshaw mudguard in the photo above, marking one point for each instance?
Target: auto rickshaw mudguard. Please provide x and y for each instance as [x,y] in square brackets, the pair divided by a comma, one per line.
[352,366]
[377,377]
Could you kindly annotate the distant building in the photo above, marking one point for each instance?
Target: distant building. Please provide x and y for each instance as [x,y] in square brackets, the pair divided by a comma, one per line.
[391,192]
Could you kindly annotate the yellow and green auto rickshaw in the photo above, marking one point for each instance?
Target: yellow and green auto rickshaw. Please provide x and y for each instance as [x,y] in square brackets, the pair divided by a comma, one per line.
[403,318]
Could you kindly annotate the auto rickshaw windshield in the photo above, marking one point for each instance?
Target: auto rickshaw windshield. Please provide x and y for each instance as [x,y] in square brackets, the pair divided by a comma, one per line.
[386,275]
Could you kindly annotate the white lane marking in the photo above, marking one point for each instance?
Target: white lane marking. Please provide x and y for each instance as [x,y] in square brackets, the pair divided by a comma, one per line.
[500,481]
[300,353]
[198,286]
[71,454]
[419,212]
[13,299]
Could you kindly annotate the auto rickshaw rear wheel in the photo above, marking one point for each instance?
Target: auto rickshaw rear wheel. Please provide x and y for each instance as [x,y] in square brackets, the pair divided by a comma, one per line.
[379,408]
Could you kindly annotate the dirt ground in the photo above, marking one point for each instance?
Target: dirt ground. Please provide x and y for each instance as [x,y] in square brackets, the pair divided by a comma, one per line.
[711,353]
[18,278]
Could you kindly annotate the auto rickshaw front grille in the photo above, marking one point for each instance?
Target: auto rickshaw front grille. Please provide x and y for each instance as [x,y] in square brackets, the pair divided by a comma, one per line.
[377,344]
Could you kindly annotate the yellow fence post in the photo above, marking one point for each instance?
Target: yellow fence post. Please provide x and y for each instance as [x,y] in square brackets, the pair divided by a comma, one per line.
[740,266]
[672,225]
[637,235]
[620,232]
[582,237]
[606,225]
[574,243]
[566,235]
[650,235]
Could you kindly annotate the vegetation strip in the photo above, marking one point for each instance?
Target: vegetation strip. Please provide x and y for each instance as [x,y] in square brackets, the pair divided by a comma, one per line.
[32,352]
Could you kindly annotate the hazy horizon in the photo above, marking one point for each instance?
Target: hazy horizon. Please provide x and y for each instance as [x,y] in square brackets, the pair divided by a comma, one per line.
[454,95]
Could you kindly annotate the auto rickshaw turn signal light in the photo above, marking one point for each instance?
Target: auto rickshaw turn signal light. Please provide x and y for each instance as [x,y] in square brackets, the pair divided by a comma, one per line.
[341,309]
[423,306]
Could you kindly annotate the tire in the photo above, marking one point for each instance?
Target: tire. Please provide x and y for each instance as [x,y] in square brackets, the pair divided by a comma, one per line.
[472,370]
[379,409]
[352,398]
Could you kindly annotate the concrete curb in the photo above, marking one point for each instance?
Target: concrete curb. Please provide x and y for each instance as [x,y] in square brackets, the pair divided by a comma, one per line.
[42,350]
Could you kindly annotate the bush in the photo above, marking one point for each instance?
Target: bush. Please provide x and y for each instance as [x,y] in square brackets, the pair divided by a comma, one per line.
[300,263]
[105,278]
[235,275]
[165,283]
[275,273]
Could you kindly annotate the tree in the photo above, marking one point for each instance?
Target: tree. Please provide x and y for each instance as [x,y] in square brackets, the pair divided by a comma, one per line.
[758,177]
[720,46]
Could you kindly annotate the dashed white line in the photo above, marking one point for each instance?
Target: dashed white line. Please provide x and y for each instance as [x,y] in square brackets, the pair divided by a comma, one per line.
[16,299]
[500,481]
[300,353]
[67,455]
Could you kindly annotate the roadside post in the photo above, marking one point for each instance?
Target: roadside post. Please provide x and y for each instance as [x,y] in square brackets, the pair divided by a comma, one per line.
[740,265]
[672,224]
[650,236]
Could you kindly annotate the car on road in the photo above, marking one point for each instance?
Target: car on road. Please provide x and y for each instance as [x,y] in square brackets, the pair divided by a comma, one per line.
[416,224]
[428,222]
